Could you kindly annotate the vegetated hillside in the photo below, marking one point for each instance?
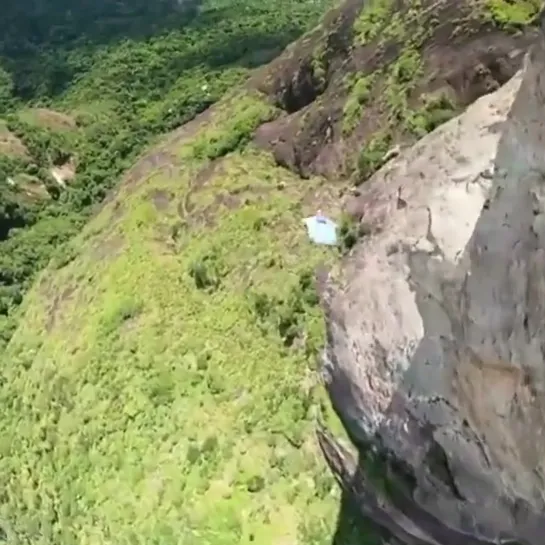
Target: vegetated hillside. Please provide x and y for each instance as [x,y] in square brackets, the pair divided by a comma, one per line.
[84,89]
[356,87]
[160,385]
[169,361]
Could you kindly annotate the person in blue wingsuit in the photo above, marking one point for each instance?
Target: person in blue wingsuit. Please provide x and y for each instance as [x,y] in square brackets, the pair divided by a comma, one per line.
[321,230]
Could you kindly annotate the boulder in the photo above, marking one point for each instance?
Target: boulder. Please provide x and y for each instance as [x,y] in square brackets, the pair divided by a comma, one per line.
[435,360]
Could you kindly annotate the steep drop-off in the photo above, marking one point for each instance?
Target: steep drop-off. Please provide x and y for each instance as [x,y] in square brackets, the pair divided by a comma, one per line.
[435,355]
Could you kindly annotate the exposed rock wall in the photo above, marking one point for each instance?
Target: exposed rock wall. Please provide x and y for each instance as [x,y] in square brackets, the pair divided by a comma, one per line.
[436,329]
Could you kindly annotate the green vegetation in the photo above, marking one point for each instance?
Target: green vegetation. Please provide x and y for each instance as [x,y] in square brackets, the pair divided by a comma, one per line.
[402,76]
[359,92]
[373,19]
[371,157]
[84,91]
[158,383]
[402,30]
[406,116]
[435,111]
[319,63]
[238,122]
[506,13]
[168,367]
[407,29]
[351,231]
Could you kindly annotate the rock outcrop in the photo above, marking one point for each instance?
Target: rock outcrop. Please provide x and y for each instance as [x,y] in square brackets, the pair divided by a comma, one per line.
[458,54]
[436,333]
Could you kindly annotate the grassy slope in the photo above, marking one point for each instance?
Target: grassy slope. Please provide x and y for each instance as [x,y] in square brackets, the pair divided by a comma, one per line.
[139,408]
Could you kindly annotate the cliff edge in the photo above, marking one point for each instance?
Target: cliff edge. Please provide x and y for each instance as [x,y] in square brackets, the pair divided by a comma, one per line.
[436,348]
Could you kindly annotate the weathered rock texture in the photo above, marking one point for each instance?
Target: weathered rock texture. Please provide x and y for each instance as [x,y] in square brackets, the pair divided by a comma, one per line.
[436,349]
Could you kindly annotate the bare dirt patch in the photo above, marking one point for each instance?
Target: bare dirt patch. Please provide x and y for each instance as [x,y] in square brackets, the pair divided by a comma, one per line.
[58,300]
[11,145]
[187,206]
[222,200]
[297,140]
[146,166]
[206,173]
[117,210]
[108,247]
[51,119]
[188,130]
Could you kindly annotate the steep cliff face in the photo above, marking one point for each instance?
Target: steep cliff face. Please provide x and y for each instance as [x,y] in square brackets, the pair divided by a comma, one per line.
[436,344]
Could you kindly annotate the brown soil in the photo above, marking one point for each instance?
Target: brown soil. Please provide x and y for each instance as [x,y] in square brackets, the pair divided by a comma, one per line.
[58,300]
[161,199]
[11,145]
[108,248]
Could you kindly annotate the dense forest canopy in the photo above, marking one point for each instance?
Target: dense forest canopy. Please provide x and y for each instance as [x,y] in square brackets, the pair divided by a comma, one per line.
[52,37]
[83,89]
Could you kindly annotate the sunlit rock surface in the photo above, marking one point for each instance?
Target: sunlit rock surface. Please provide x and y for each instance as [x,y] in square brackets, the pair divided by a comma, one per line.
[436,349]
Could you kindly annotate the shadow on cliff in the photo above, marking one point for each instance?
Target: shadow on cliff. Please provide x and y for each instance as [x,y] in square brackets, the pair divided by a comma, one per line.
[379,505]
[353,529]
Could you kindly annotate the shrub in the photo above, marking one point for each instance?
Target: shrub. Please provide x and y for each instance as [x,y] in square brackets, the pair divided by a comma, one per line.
[230,132]
[372,156]
[506,13]
[360,92]
[286,315]
[351,231]
[435,111]
[207,272]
